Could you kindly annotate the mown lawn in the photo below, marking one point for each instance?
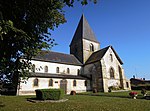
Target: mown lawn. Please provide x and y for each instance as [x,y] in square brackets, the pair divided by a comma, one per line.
[119,101]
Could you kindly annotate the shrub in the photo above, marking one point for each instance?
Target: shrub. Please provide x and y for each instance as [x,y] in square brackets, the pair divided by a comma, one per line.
[49,94]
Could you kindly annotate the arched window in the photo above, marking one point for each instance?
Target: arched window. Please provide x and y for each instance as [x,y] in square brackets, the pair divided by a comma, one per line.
[51,82]
[91,47]
[112,73]
[35,82]
[111,57]
[78,71]
[33,68]
[46,69]
[57,69]
[74,82]
[68,71]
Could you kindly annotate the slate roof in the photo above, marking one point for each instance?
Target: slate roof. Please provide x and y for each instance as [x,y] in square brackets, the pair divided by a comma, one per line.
[83,31]
[98,55]
[56,57]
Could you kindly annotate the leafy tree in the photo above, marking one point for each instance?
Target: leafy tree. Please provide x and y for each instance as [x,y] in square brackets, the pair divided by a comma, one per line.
[24,30]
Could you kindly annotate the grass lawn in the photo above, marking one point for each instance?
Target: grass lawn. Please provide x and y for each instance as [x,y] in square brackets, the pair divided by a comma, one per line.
[118,101]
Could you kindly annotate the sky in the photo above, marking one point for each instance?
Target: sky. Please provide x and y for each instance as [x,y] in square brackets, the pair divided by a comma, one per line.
[124,24]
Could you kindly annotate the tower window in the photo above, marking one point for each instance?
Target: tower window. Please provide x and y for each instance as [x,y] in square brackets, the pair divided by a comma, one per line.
[57,69]
[91,47]
[46,69]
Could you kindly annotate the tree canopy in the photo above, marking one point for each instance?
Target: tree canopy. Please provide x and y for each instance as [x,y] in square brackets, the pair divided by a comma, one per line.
[24,28]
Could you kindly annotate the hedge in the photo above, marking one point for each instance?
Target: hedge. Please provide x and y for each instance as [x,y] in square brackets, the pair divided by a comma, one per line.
[49,94]
[140,87]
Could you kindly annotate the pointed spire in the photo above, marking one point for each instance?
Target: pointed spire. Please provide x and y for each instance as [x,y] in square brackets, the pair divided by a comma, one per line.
[84,31]
[87,31]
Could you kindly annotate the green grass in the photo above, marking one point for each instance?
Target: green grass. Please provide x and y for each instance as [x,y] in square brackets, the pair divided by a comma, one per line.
[119,101]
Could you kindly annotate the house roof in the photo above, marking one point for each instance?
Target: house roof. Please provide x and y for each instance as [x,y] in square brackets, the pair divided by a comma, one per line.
[83,31]
[56,57]
[98,55]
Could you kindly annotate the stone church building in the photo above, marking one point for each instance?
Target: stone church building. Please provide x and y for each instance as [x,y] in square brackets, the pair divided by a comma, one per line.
[87,67]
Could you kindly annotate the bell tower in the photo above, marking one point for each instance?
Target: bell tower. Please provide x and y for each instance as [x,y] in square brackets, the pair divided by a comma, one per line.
[84,42]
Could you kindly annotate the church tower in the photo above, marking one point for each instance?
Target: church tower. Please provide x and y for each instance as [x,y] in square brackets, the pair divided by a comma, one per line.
[84,42]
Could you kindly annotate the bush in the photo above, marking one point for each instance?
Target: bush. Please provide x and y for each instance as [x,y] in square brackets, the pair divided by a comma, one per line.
[49,94]
[110,88]
[140,87]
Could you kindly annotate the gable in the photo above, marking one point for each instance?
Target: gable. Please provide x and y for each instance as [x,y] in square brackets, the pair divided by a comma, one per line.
[111,52]
[98,55]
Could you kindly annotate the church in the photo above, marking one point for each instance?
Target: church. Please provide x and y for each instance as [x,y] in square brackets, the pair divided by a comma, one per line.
[86,68]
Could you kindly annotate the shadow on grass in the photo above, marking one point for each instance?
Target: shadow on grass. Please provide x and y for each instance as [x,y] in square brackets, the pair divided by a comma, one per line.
[112,95]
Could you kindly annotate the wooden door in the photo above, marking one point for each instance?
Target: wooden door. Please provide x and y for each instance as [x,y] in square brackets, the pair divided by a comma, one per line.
[63,85]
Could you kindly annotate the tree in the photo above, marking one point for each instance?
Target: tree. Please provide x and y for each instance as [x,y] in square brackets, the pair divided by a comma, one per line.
[24,30]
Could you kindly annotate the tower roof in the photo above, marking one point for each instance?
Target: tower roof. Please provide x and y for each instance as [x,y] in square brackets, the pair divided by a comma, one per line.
[84,31]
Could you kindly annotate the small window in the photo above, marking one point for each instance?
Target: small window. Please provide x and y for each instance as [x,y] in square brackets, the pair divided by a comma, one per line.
[78,72]
[68,71]
[85,83]
[74,83]
[46,69]
[91,47]
[57,70]
[51,82]
[112,73]
[36,82]
[33,68]
[111,57]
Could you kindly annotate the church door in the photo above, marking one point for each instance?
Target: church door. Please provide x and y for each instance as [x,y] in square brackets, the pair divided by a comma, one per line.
[63,85]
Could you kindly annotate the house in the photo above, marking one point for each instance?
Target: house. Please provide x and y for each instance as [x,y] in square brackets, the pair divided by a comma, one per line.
[87,67]
[139,84]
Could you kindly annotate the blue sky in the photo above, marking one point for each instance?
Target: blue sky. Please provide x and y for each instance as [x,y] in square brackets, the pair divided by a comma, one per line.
[124,24]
